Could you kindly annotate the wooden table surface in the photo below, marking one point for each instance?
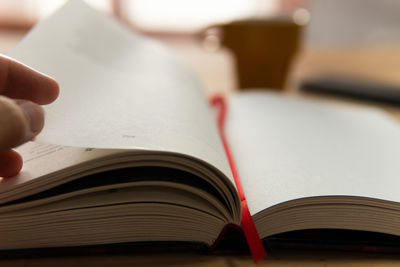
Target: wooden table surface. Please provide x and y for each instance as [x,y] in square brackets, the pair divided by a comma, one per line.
[217,72]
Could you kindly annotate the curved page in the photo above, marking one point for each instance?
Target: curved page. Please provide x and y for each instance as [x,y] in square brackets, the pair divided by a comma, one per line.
[287,149]
[118,90]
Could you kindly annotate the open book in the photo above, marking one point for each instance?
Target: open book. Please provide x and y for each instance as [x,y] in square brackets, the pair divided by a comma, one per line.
[131,151]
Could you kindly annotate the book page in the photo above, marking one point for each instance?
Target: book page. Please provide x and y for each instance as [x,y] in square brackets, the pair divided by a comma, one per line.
[287,148]
[118,89]
[43,159]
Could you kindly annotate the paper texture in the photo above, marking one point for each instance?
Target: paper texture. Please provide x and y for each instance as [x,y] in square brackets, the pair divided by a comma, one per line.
[287,149]
[117,89]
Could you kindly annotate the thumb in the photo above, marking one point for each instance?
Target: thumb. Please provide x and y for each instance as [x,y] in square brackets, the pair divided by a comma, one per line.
[20,121]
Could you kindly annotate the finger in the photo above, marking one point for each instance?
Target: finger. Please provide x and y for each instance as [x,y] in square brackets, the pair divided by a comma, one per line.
[19,81]
[20,121]
[10,163]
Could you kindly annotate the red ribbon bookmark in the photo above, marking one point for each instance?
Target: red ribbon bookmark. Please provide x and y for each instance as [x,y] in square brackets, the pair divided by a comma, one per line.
[249,229]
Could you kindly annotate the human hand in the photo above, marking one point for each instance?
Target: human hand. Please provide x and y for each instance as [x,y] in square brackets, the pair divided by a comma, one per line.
[22,91]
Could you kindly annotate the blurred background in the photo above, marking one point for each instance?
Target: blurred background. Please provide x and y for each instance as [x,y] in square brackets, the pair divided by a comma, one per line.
[346,37]
[172,16]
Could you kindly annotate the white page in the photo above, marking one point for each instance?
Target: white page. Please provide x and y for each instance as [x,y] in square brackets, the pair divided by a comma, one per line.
[292,148]
[118,89]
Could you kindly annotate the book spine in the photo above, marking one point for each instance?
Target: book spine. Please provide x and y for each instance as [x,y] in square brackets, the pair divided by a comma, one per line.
[250,231]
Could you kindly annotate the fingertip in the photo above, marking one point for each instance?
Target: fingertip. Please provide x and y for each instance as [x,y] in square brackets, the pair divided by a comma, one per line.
[10,163]
[56,90]
[52,89]
[22,82]
[47,90]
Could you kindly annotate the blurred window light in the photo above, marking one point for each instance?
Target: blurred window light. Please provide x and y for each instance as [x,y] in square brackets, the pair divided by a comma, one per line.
[25,13]
[192,15]
[46,7]
[147,15]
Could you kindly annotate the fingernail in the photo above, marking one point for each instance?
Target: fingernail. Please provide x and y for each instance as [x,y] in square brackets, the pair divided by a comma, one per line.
[34,114]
